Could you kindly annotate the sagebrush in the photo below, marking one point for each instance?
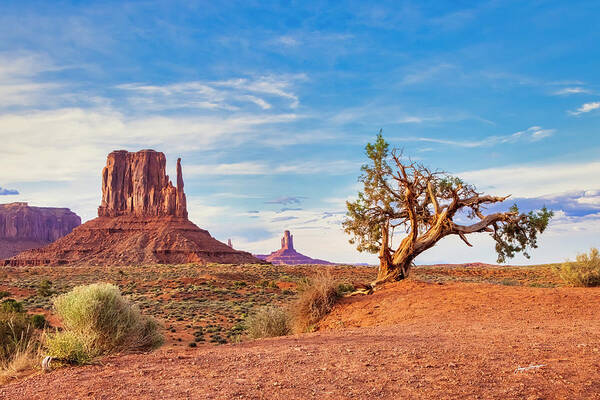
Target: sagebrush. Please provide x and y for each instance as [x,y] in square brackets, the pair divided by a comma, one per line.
[98,320]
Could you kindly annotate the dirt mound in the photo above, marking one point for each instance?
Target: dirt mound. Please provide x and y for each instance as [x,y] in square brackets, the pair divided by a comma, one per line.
[142,219]
[451,341]
[288,255]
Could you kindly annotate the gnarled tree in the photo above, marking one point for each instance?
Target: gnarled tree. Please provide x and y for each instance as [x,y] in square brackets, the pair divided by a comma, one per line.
[403,195]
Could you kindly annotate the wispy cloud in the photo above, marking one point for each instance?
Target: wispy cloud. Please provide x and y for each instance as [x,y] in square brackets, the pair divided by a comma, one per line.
[531,134]
[585,108]
[280,219]
[334,167]
[229,94]
[286,200]
[571,90]
[8,192]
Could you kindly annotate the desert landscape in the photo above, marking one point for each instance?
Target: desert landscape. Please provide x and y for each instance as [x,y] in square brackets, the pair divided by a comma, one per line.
[313,200]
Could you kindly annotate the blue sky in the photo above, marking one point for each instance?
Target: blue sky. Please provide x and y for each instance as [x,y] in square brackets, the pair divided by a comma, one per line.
[270,106]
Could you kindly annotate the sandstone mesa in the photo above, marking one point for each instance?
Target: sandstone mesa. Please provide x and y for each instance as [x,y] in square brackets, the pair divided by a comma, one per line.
[24,227]
[142,218]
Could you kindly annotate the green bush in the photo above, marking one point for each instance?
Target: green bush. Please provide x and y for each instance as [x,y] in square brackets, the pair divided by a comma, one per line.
[11,306]
[268,321]
[102,321]
[38,321]
[584,271]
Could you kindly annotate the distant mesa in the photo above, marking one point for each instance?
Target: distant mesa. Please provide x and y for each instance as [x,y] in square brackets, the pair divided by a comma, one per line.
[288,255]
[142,219]
[23,227]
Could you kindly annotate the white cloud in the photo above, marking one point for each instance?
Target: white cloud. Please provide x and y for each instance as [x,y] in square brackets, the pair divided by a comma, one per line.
[585,108]
[336,167]
[571,90]
[72,143]
[534,180]
[531,134]
[229,94]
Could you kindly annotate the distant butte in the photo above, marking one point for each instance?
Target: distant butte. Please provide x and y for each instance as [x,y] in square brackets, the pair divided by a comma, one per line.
[142,219]
[288,255]
[24,227]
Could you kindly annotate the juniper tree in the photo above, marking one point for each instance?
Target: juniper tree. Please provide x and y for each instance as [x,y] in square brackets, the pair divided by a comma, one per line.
[401,195]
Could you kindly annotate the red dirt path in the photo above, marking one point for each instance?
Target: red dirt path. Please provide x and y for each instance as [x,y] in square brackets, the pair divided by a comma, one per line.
[418,340]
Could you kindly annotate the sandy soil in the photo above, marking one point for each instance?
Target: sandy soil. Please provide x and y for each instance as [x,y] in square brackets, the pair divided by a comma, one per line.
[409,340]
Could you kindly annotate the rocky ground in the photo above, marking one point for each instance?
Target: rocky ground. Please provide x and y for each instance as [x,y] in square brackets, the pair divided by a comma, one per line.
[443,334]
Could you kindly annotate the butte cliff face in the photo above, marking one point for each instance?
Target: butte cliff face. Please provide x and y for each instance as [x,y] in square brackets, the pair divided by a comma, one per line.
[142,219]
[288,255]
[136,184]
[23,227]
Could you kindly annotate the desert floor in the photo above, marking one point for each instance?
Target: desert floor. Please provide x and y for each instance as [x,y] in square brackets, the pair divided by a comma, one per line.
[469,331]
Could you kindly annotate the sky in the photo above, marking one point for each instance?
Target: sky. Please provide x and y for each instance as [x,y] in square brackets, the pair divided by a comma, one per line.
[270,105]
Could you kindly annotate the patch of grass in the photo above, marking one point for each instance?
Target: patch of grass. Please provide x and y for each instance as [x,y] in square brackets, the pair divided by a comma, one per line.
[317,297]
[508,282]
[97,321]
[268,321]
[584,271]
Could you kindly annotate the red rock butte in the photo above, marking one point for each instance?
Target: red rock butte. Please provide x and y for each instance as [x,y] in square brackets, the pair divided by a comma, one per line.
[288,255]
[142,219]
[23,227]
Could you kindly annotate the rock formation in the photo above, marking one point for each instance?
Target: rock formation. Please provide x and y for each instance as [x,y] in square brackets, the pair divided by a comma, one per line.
[136,184]
[288,255]
[142,219]
[23,227]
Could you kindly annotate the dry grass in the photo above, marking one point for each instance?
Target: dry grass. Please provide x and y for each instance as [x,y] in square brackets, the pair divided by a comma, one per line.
[584,271]
[23,359]
[269,321]
[317,297]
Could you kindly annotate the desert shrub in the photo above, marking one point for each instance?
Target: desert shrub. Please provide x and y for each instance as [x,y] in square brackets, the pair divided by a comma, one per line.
[11,306]
[584,271]
[316,299]
[44,288]
[99,320]
[345,288]
[38,321]
[268,321]
[4,294]
[68,346]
